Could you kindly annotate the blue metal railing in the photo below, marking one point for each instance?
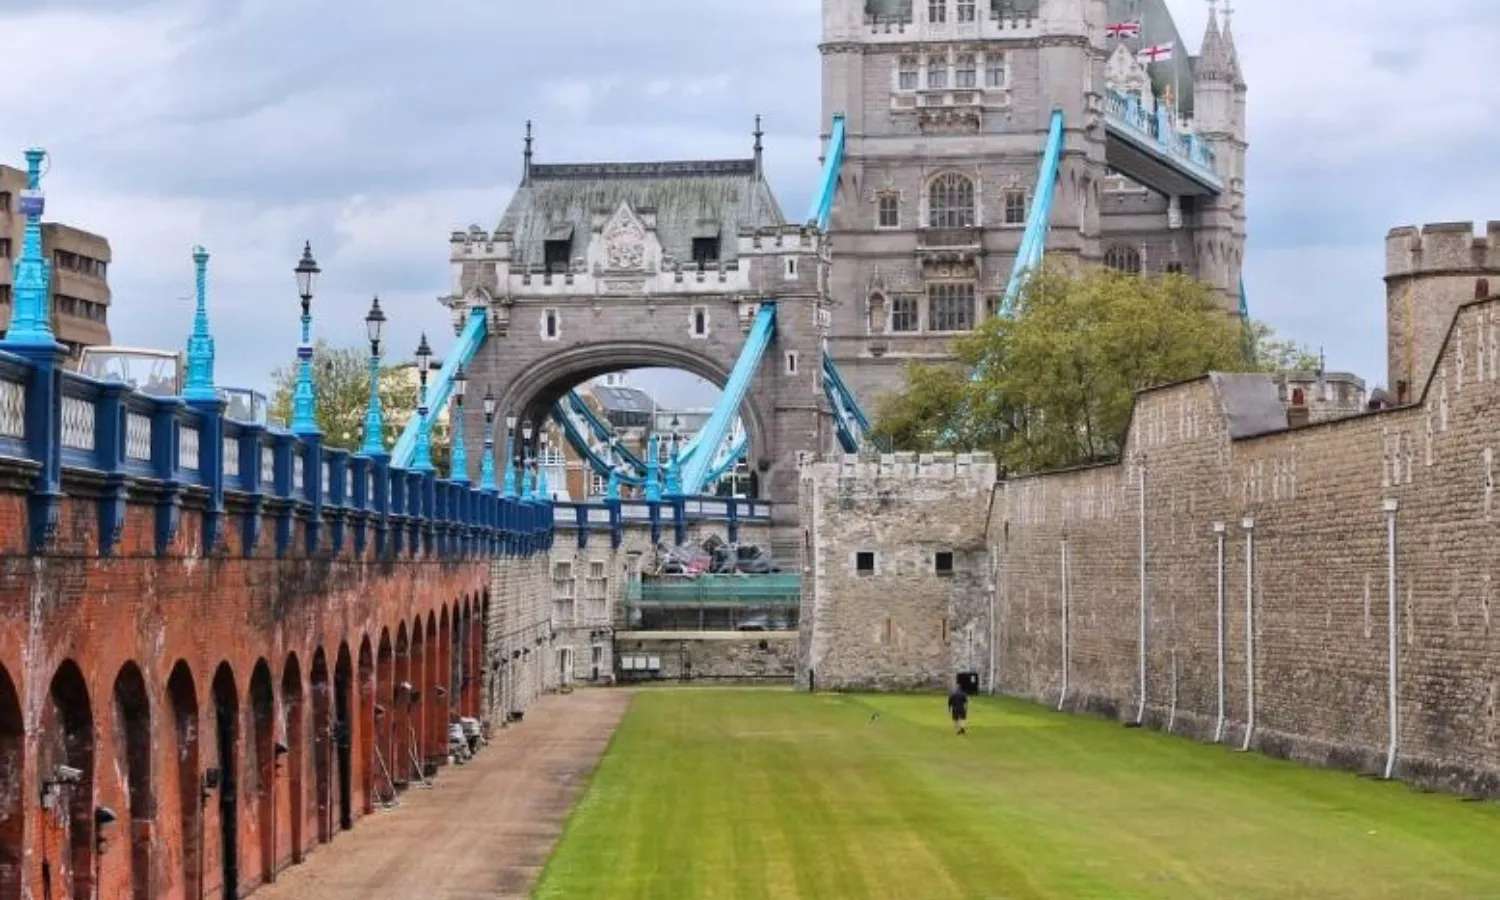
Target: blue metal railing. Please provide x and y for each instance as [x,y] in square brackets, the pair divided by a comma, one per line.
[698,466]
[1125,112]
[833,163]
[462,354]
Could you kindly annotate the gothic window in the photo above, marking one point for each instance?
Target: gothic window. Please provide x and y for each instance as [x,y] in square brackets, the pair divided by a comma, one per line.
[906,78]
[904,315]
[1174,268]
[1123,259]
[1481,287]
[4,248]
[965,74]
[4,201]
[992,306]
[937,73]
[700,322]
[889,215]
[550,326]
[995,71]
[950,201]
[937,10]
[950,307]
[965,10]
[1015,207]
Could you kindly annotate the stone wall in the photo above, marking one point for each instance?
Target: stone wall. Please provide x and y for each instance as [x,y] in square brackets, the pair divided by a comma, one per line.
[1110,579]
[725,656]
[899,623]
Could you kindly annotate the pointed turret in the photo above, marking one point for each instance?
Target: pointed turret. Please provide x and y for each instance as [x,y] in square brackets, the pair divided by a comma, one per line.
[1215,62]
[1230,49]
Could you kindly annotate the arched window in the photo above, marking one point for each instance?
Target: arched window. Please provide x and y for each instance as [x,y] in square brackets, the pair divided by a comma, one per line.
[950,201]
[1123,259]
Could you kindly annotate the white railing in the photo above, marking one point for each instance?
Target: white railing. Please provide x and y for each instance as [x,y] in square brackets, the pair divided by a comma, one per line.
[267,465]
[12,409]
[298,478]
[189,455]
[231,458]
[138,437]
[78,423]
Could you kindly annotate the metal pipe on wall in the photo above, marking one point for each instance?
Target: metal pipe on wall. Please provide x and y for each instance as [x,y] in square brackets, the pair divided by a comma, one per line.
[1391,506]
[1219,530]
[1140,712]
[1249,526]
[1066,637]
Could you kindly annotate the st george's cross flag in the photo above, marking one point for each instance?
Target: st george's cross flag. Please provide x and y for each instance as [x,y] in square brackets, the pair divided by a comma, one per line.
[1124,30]
[1156,53]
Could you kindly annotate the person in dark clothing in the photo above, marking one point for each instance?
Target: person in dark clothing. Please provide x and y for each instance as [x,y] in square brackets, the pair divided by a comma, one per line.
[958,706]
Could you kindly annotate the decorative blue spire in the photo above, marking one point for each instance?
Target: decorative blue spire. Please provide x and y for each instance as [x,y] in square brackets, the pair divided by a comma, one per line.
[200,347]
[304,396]
[674,475]
[612,489]
[31,319]
[543,491]
[510,468]
[526,484]
[487,465]
[374,415]
[653,470]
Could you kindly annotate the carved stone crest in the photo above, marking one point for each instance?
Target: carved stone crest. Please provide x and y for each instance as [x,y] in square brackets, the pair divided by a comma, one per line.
[625,241]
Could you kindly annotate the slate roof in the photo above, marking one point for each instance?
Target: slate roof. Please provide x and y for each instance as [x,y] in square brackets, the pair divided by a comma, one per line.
[713,198]
[617,399]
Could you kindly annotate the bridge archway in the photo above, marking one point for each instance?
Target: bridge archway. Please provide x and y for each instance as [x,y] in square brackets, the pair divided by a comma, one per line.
[385,715]
[227,732]
[182,695]
[67,742]
[263,764]
[365,731]
[12,769]
[533,391]
[133,758]
[296,743]
[343,725]
[322,719]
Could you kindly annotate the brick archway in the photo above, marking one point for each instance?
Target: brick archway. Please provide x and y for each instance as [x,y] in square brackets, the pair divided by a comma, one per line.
[182,697]
[400,759]
[262,763]
[227,737]
[385,715]
[322,743]
[365,727]
[12,768]
[132,742]
[343,733]
[296,755]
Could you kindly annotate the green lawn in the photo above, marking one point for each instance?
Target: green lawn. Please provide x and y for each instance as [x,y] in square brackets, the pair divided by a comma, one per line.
[753,793]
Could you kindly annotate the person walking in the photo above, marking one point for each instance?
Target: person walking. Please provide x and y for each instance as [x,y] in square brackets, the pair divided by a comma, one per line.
[958,707]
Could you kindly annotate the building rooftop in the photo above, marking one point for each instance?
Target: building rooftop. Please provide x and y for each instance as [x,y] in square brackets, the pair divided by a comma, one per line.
[690,199]
[618,399]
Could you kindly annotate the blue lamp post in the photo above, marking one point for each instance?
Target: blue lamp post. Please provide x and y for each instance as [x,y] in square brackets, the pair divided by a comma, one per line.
[200,346]
[512,456]
[374,416]
[422,462]
[612,489]
[31,321]
[653,470]
[524,455]
[458,470]
[487,465]
[304,397]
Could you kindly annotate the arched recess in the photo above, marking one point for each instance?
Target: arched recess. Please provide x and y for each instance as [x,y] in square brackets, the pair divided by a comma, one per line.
[12,769]
[400,760]
[456,665]
[132,741]
[343,735]
[182,696]
[294,711]
[432,694]
[227,734]
[364,731]
[322,744]
[446,681]
[471,662]
[66,769]
[414,741]
[385,715]
[262,764]
[533,391]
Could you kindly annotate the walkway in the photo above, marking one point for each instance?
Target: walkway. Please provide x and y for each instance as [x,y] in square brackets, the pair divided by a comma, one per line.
[484,830]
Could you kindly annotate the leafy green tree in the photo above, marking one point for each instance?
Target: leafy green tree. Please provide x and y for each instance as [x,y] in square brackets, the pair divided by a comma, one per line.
[341,378]
[1054,385]
[1273,354]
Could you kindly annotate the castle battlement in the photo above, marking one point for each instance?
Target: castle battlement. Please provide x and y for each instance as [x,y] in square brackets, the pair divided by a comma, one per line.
[977,467]
[1442,248]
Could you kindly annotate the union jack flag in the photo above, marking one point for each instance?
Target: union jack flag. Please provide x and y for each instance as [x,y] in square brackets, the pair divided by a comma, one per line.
[1156,53]
[1124,30]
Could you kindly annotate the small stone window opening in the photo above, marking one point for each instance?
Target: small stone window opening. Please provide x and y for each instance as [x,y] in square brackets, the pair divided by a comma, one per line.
[937,10]
[791,362]
[864,562]
[966,73]
[904,315]
[550,326]
[1015,207]
[907,75]
[965,10]
[937,73]
[791,267]
[942,564]
[4,248]
[700,322]
[1299,397]
[4,201]
[945,630]
[889,211]
[557,256]
[1174,268]
[950,307]
[995,71]
[1123,259]
[1481,287]
[705,251]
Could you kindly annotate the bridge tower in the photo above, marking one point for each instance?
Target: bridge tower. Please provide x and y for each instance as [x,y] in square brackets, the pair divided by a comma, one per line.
[1219,95]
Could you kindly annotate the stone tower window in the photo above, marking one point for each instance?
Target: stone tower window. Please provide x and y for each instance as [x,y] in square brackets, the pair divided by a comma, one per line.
[937,73]
[996,73]
[1015,207]
[904,315]
[942,563]
[951,201]
[965,10]
[551,327]
[705,251]
[966,72]
[557,256]
[700,321]
[889,215]
[864,562]
[1481,287]
[937,10]
[1123,259]
[906,76]
[950,307]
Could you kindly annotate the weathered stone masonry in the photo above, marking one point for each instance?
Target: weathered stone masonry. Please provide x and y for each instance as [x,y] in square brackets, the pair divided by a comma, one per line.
[1305,621]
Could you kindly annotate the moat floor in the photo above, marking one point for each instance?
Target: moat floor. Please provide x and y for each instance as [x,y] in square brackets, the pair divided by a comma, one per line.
[483,829]
[746,794]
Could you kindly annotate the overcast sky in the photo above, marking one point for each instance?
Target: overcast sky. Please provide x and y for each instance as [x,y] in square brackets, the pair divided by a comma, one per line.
[250,125]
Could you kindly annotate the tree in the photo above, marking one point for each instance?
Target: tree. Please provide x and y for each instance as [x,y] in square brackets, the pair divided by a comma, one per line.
[1054,385]
[1273,354]
[341,378]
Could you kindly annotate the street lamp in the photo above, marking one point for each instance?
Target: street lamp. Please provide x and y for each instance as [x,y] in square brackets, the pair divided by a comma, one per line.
[304,398]
[512,456]
[458,471]
[374,419]
[487,465]
[527,475]
[423,458]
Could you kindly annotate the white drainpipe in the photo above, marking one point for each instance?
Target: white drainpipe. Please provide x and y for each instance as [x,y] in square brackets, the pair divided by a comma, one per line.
[1219,726]
[1066,637]
[1249,526]
[1140,712]
[1391,713]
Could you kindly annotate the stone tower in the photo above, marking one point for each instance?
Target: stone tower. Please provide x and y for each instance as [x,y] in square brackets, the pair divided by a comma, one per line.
[1429,274]
[947,105]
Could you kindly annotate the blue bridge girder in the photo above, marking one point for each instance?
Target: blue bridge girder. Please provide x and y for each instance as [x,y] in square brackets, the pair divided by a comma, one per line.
[700,465]
[469,341]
